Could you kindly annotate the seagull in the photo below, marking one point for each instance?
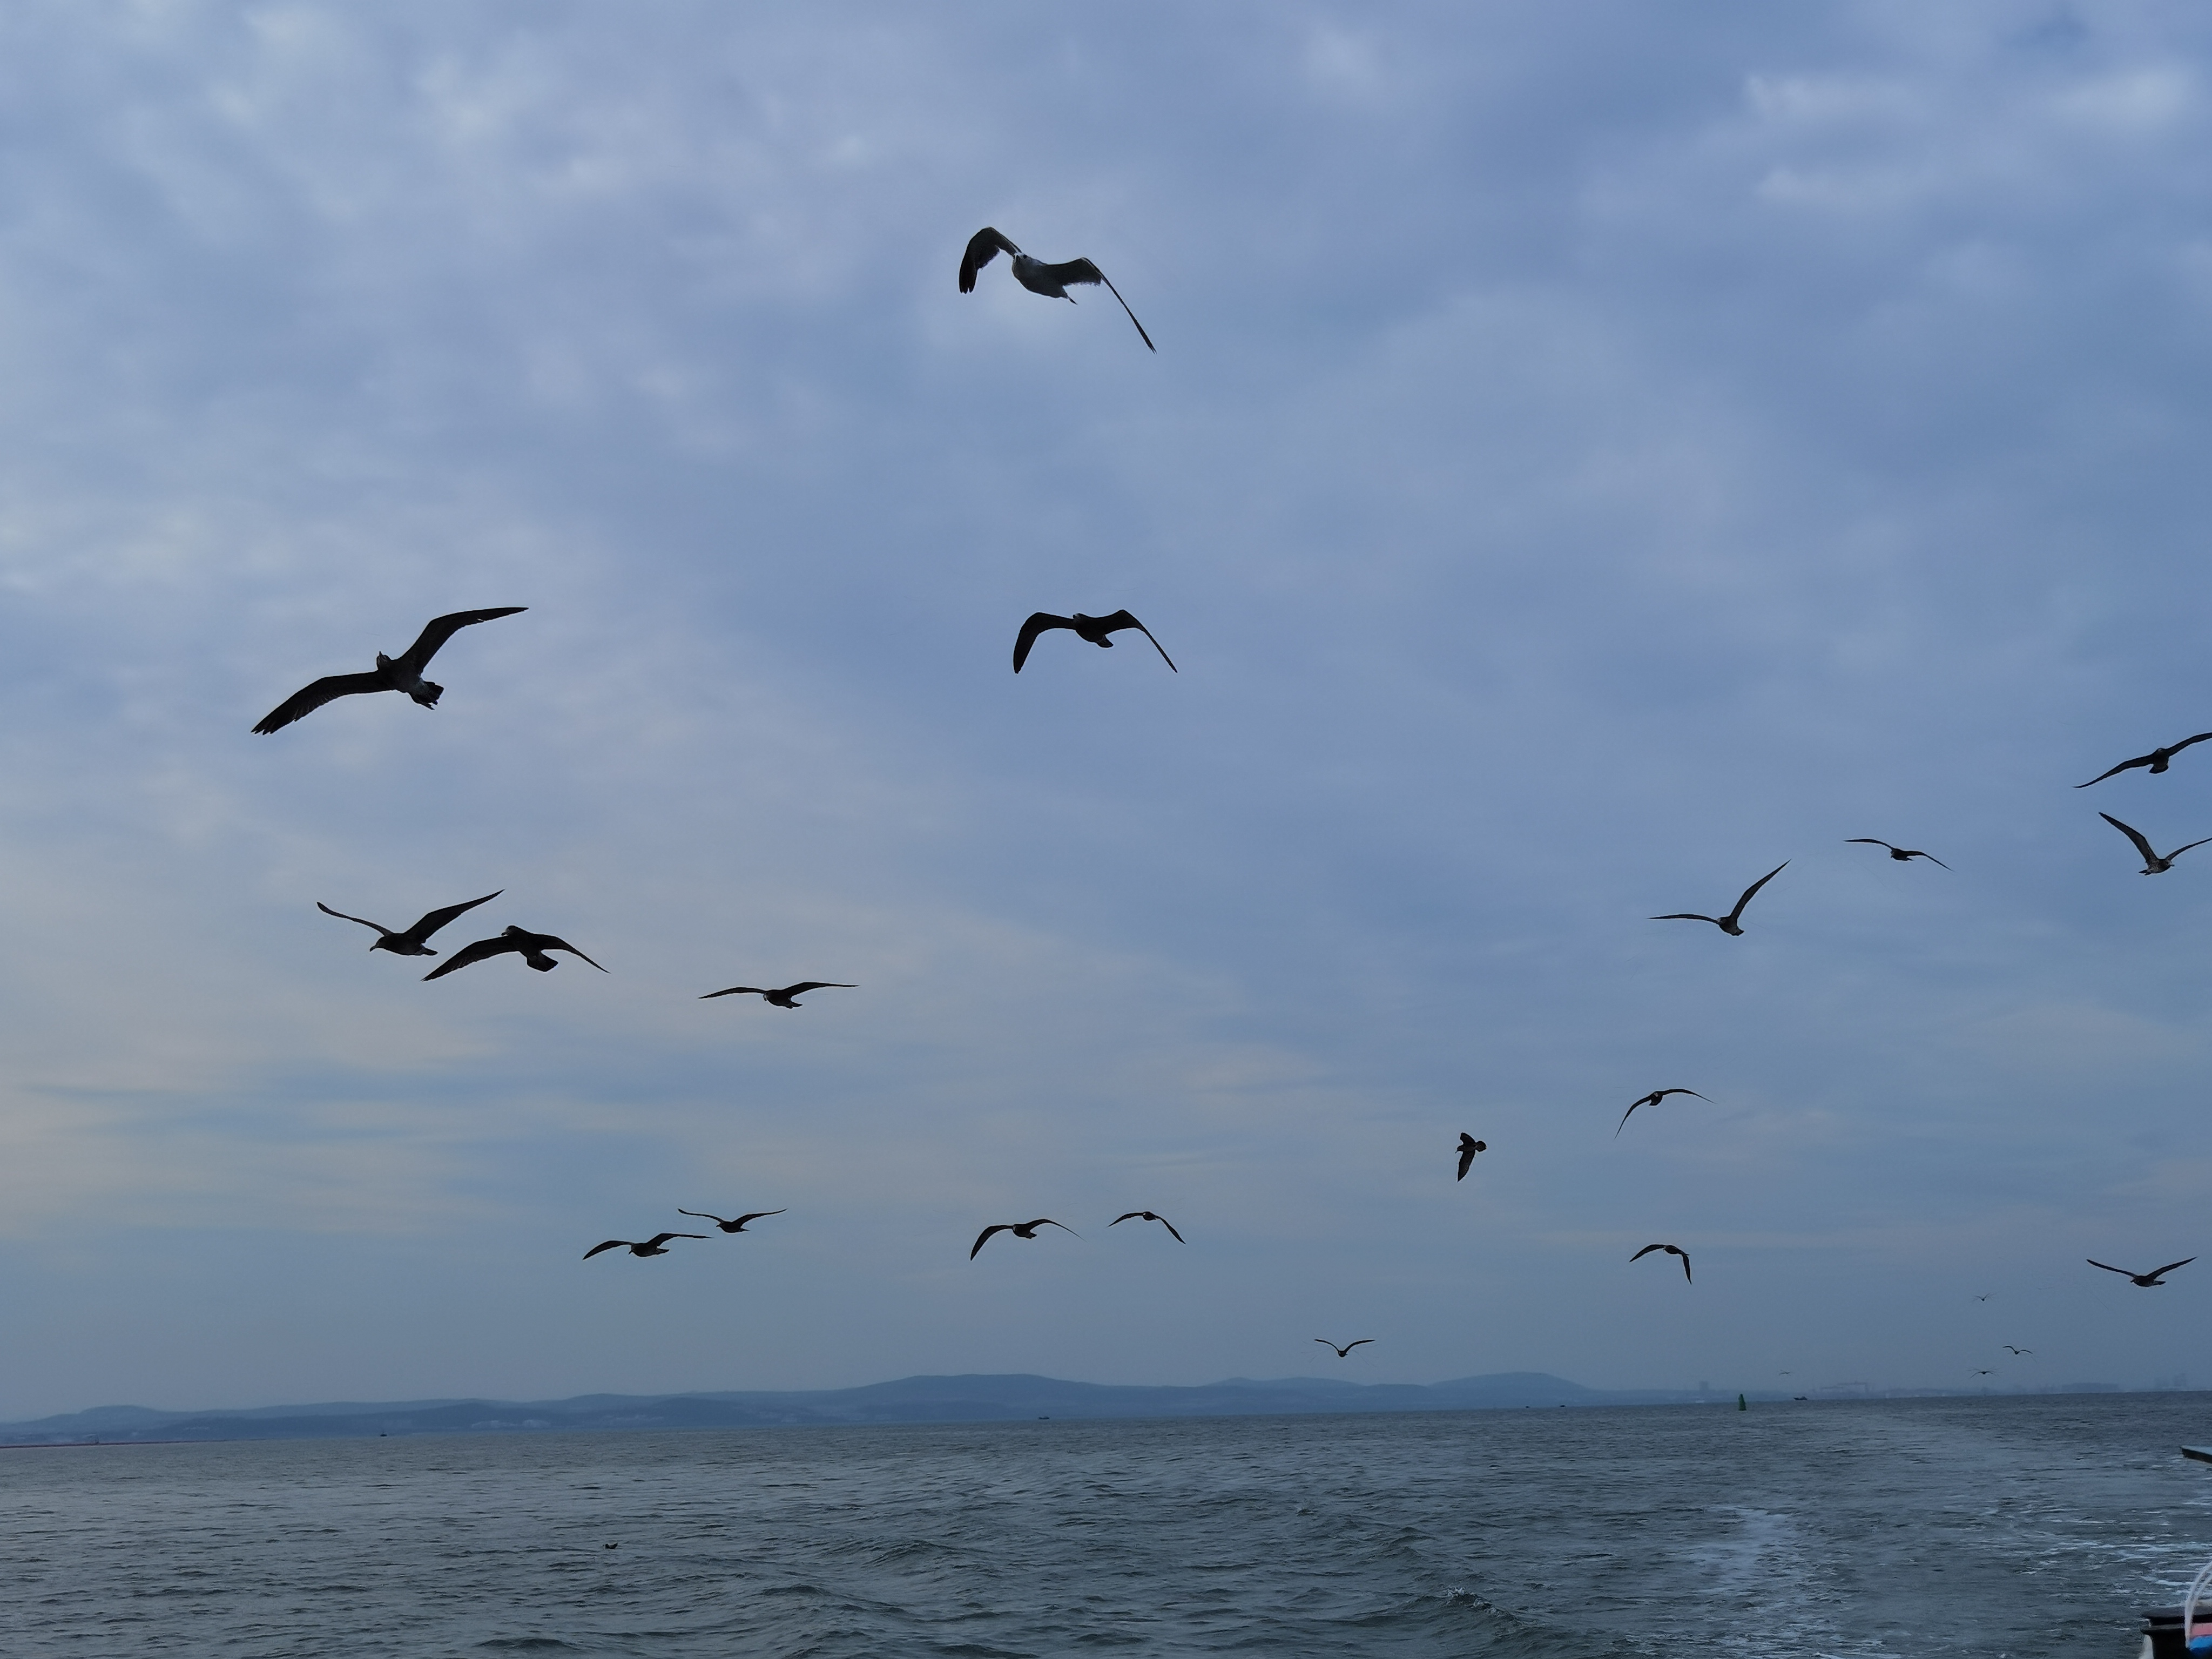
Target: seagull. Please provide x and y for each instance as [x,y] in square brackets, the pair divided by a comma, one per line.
[780,998]
[657,1245]
[1051,281]
[1469,1146]
[534,947]
[1653,1099]
[401,673]
[2016,1352]
[1345,1349]
[736,1226]
[2157,760]
[2153,865]
[1024,1229]
[1093,629]
[410,942]
[2149,1281]
[1138,1215]
[1727,924]
[1980,1373]
[1902,855]
[1671,1249]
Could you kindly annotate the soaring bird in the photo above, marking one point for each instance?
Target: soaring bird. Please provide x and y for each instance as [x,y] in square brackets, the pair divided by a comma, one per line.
[1345,1349]
[410,942]
[1469,1146]
[1022,1229]
[2149,1281]
[1051,281]
[534,947]
[2152,863]
[1901,854]
[780,998]
[400,673]
[657,1245]
[2016,1352]
[1671,1249]
[736,1226]
[1982,1373]
[1134,1215]
[2157,760]
[1727,924]
[1653,1099]
[1093,629]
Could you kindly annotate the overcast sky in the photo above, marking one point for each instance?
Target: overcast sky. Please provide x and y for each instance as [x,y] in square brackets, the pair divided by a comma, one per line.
[1594,452]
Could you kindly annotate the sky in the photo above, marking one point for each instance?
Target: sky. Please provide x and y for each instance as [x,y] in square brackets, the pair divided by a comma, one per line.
[1593,454]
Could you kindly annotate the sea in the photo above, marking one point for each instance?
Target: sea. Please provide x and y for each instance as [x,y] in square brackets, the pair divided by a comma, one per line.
[2017,1526]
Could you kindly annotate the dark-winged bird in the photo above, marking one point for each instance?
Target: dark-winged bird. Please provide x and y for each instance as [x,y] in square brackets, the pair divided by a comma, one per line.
[2152,863]
[1051,281]
[1019,1229]
[1727,924]
[1902,855]
[1345,1349]
[736,1226]
[657,1245]
[400,673]
[782,998]
[534,947]
[1093,629]
[1139,1215]
[411,942]
[2149,1281]
[1469,1146]
[2156,760]
[1653,1099]
[1671,1249]
[2014,1353]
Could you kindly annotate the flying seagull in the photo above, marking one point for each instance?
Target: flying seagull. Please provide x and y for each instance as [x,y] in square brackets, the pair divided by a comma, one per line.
[2149,1281]
[1051,281]
[1671,1249]
[1022,1229]
[736,1226]
[780,998]
[1469,1146]
[1345,1349]
[1902,855]
[1653,1099]
[2157,760]
[400,673]
[1981,1373]
[1727,924]
[657,1245]
[534,947]
[1093,629]
[410,942]
[2016,1352]
[2152,863]
[1144,1215]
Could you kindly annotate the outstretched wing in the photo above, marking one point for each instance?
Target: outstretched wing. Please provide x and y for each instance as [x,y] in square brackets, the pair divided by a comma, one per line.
[309,698]
[985,245]
[660,1239]
[2108,1266]
[438,629]
[1868,841]
[553,944]
[1170,1226]
[433,920]
[2140,760]
[703,1215]
[2178,851]
[2176,748]
[1751,891]
[756,1216]
[1122,619]
[1467,1158]
[1362,1342]
[1084,272]
[1647,1099]
[1692,1093]
[482,949]
[2133,835]
[1002,1227]
[1684,1254]
[816,985]
[2157,1272]
[1047,1221]
[1688,916]
[611,1244]
[1932,859]
[1645,1251]
[363,920]
[1037,623]
[735,990]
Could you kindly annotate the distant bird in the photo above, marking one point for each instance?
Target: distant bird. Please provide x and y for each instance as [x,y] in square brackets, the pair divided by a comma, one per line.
[1901,854]
[1727,924]
[657,1245]
[1979,1373]
[1023,1230]
[1982,1298]
[410,942]
[1051,281]
[2016,1352]
[1653,1099]
[2152,863]
[400,673]
[534,947]
[1345,1349]
[780,998]
[1671,1249]
[736,1226]
[1134,1215]
[1093,629]
[2156,760]
[1469,1146]
[2149,1281]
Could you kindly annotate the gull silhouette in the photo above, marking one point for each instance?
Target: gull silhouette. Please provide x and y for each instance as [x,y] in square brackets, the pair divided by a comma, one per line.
[400,673]
[2156,760]
[2152,863]
[654,1246]
[534,947]
[1653,1099]
[736,1226]
[1051,281]
[1902,855]
[2149,1281]
[410,942]
[1727,924]
[1093,629]
[780,998]
[2016,1352]
[1345,1349]
[1142,1215]
[1021,1230]
[1671,1249]
[1469,1146]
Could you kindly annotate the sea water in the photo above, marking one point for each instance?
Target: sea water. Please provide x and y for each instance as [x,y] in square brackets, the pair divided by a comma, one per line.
[2020,1526]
